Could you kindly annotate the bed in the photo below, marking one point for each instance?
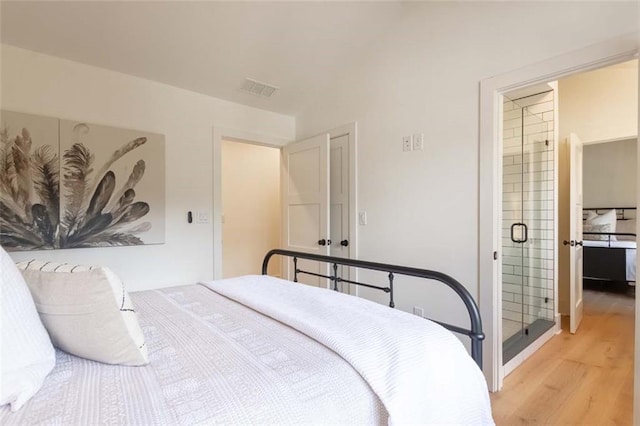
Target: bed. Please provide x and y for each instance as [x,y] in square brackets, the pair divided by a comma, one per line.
[260,350]
[610,251]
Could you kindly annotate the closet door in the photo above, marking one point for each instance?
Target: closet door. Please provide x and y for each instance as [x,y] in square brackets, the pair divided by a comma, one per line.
[305,198]
[339,205]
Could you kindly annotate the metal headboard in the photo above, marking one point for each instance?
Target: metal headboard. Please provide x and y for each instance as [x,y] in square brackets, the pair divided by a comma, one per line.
[475,333]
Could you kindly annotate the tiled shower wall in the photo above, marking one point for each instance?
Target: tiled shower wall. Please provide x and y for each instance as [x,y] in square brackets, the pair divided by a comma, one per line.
[528,190]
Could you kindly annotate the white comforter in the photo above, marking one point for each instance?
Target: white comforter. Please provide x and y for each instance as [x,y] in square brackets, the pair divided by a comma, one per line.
[420,371]
[213,361]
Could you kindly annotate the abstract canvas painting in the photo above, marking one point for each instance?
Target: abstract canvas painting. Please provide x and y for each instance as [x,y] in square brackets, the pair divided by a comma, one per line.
[68,184]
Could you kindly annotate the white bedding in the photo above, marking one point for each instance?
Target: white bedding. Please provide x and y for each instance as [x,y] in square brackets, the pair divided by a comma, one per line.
[212,360]
[618,244]
[630,254]
[420,371]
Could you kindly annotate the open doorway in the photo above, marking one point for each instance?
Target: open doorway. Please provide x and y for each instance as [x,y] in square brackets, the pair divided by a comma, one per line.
[340,231]
[597,113]
[251,208]
[492,90]
[548,129]
[599,109]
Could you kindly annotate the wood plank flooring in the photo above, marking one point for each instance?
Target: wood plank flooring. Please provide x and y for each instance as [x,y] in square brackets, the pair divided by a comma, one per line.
[586,378]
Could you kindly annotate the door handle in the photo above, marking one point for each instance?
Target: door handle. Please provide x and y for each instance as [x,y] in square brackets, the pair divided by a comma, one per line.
[579,243]
[344,243]
[322,242]
[524,228]
[570,243]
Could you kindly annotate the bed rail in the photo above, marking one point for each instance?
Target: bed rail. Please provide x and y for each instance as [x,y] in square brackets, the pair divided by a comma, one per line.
[474,333]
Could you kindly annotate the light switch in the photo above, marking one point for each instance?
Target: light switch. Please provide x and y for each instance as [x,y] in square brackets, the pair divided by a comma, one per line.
[406,143]
[202,216]
[418,142]
[362,218]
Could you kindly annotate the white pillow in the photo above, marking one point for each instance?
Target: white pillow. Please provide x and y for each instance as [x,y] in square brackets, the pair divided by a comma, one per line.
[588,227]
[591,215]
[27,355]
[87,312]
[609,217]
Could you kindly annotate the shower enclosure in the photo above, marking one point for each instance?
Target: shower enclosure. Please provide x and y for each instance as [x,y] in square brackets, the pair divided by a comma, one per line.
[528,221]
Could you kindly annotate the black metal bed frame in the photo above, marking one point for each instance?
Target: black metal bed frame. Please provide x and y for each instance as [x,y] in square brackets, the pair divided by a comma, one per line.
[606,263]
[474,333]
[620,211]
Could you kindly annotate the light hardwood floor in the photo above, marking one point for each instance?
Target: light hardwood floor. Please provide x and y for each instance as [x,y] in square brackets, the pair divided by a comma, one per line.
[586,378]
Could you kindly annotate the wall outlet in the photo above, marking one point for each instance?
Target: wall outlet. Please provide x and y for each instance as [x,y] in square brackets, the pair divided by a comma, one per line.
[419,311]
[406,143]
[418,142]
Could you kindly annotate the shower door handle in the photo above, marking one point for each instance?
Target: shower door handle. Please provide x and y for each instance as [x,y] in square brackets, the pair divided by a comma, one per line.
[525,233]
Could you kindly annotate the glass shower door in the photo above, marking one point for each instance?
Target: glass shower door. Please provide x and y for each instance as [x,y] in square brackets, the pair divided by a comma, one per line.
[513,227]
[528,215]
[538,213]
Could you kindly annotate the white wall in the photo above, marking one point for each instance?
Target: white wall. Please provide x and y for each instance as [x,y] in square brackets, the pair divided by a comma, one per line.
[39,84]
[610,174]
[600,105]
[424,77]
[250,206]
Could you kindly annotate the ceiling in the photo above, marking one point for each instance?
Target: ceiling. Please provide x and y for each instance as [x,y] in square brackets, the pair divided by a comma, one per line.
[209,47]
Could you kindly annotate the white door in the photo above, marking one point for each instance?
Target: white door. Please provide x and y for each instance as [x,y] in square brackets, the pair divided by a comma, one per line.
[339,204]
[575,236]
[305,209]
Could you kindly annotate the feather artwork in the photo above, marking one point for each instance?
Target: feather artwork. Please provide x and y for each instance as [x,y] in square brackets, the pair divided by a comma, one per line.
[8,184]
[106,211]
[23,220]
[126,199]
[132,213]
[134,178]
[94,211]
[20,155]
[43,224]
[46,182]
[77,168]
[101,196]
[130,146]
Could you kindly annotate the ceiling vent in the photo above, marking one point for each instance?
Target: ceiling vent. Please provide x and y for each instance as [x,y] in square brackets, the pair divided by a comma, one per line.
[258,88]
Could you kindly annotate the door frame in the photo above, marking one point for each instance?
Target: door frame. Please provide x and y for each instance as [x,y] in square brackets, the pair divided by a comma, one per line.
[609,52]
[218,134]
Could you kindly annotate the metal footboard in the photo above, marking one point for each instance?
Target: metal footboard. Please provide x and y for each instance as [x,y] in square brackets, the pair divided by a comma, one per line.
[474,333]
